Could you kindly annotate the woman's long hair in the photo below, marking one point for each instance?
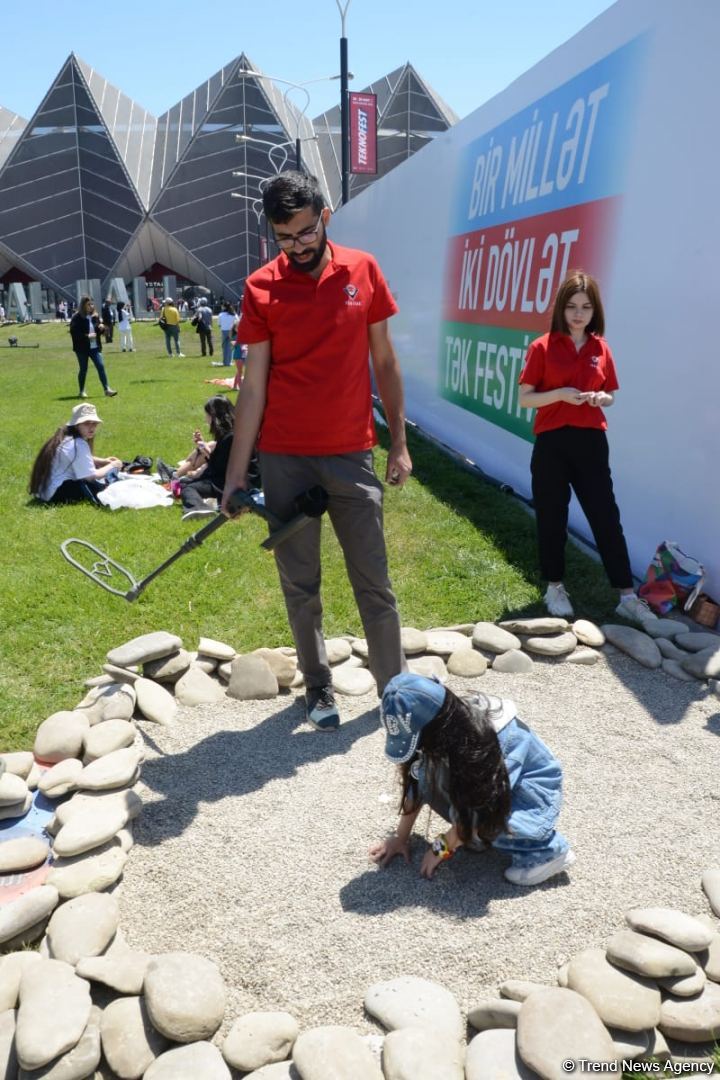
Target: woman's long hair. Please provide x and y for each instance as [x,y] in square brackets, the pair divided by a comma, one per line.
[222,416]
[43,462]
[478,784]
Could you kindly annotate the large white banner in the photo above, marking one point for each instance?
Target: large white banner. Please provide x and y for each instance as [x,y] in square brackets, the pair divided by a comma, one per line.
[603,157]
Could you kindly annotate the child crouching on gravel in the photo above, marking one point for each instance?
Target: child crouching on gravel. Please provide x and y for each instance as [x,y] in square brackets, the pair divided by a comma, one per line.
[479,767]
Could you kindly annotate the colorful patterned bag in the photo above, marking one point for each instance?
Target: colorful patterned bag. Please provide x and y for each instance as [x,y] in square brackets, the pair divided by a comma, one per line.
[673,579]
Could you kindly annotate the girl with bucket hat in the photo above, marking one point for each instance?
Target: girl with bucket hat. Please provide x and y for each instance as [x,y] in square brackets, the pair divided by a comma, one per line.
[482,769]
[66,470]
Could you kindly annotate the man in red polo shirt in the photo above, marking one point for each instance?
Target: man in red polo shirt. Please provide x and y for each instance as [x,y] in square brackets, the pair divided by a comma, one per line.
[310,318]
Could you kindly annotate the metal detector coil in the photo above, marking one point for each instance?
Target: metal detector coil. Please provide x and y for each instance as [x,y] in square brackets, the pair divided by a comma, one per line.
[101,568]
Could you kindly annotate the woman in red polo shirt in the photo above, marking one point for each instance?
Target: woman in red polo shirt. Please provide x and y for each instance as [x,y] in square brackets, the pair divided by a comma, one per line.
[569,377]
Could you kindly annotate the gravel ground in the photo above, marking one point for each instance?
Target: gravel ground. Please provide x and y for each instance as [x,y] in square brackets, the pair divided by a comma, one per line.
[252,849]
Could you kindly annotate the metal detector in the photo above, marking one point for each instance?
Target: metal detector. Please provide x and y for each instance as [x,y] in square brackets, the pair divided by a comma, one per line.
[308,505]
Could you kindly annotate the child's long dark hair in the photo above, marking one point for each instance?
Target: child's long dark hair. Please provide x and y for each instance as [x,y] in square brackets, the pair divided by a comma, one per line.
[43,462]
[478,784]
[222,416]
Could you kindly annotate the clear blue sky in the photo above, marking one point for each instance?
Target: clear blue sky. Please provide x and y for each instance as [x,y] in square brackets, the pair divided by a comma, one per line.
[468,50]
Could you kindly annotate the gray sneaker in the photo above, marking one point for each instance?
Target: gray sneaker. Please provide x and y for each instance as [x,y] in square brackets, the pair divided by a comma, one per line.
[320,708]
[635,611]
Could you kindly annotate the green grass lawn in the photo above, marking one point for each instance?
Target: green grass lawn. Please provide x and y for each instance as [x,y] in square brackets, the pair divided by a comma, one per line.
[459,549]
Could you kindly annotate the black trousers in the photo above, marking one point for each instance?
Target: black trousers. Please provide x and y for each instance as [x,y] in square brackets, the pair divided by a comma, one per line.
[72,491]
[577,459]
[194,493]
[206,339]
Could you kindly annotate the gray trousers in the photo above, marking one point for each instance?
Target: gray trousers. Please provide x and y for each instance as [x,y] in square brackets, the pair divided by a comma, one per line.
[355,498]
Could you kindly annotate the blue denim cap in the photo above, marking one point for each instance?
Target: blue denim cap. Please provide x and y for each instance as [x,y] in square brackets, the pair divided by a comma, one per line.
[409,702]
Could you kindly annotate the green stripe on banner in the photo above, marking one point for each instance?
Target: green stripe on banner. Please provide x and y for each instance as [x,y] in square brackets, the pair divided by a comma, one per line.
[479,368]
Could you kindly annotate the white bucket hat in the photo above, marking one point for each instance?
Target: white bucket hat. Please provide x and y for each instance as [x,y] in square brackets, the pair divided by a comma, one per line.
[82,413]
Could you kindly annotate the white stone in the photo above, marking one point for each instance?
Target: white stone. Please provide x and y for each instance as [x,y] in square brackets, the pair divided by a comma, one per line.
[588,633]
[704,664]
[545,624]
[352,681]
[19,762]
[446,642]
[168,668]
[22,853]
[670,650]
[90,872]
[494,1013]
[647,956]
[13,789]
[118,702]
[61,736]
[217,649]
[698,642]
[185,996]
[630,1045]
[684,985]
[329,1053]
[557,645]
[282,666]
[635,643]
[666,628]
[252,679]
[84,926]
[679,929]
[54,1012]
[78,1062]
[16,810]
[106,737]
[429,666]
[695,1019]
[409,1001]
[146,647]
[202,1059]
[8,1057]
[260,1038]
[155,702]
[114,770]
[28,910]
[467,663]
[417,1054]
[492,1055]
[61,779]
[621,1000]
[514,661]
[337,649]
[208,664]
[491,638]
[12,966]
[129,1041]
[90,802]
[360,647]
[677,671]
[123,971]
[519,989]
[129,676]
[584,656]
[414,642]
[555,1025]
[197,688]
[33,777]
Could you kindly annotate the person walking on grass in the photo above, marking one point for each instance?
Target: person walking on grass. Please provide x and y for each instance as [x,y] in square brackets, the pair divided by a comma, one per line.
[569,377]
[309,319]
[170,322]
[85,334]
[481,769]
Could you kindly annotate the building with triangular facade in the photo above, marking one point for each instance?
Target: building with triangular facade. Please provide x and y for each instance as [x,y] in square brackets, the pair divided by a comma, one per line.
[96,193]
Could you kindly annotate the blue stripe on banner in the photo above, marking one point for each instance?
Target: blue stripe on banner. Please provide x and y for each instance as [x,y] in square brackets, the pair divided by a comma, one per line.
[568,147]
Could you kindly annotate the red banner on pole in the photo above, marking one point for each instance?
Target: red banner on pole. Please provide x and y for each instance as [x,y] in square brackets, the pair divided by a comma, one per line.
[363,133]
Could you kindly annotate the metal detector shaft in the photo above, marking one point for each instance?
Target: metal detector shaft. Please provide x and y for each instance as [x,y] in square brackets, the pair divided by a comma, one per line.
[192,542]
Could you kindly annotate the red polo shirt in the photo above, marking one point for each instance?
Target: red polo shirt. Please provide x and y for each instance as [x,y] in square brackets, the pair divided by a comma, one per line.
[318,395]
[553,361]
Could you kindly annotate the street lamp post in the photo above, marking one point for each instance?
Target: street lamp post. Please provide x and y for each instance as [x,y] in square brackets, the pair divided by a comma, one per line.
[344,104]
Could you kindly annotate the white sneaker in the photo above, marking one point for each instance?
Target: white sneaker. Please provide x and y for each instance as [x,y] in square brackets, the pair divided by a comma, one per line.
[521,875]
[635,610]
[198,512]
[181,354]
[557,602]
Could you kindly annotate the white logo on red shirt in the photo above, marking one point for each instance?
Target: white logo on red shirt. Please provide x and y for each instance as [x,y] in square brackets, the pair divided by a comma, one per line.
[351,290]
[594,361]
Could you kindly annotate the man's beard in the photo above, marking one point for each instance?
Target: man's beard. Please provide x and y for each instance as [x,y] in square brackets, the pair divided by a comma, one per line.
[308,265]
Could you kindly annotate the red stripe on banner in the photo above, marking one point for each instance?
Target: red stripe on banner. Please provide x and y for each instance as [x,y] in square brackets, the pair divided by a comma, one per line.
[508,275]
[363,133]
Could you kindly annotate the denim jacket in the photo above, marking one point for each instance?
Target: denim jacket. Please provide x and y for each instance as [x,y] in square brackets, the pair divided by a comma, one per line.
[534,772]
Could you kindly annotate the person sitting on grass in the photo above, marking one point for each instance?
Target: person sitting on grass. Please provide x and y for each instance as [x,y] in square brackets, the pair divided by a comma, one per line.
[219,415]
[482,769]
[66,470]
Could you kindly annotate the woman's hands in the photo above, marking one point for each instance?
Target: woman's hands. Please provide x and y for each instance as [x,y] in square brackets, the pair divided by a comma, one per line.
[572,396]
[384,852]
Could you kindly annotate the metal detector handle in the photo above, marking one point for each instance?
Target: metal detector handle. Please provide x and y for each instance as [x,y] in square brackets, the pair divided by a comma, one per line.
[279,530]
[192,542]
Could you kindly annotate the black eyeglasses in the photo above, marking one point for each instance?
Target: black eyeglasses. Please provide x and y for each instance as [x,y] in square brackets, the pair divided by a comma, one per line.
[305,237]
